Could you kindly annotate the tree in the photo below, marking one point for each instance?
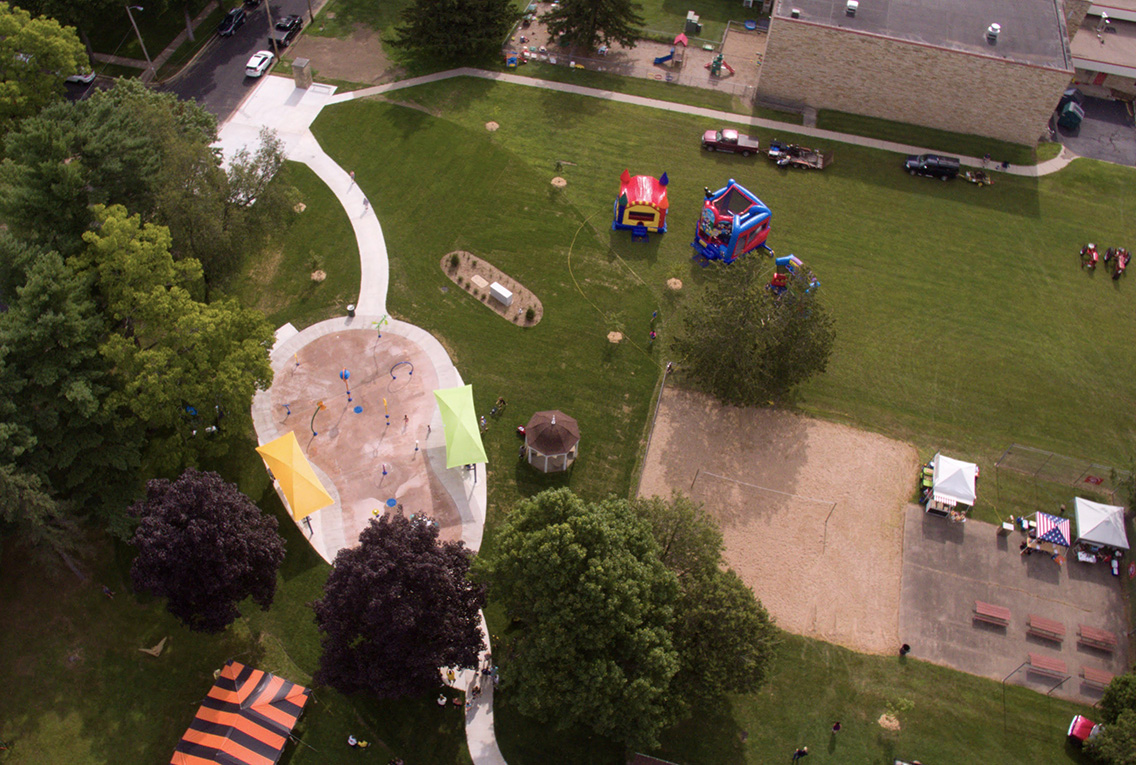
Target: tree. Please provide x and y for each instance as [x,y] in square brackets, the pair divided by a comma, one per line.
[746,346]
[181,365]
[1116,741]
[84,15]
[205,547]
[428,29]
[1120,695]
[723,635]
[395,609]
[35,55]
[32,514]
[590,23]
[593,609]
[54,419]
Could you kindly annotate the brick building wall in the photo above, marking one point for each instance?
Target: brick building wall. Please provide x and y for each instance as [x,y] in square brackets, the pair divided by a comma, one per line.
[1075,12]
[808,64]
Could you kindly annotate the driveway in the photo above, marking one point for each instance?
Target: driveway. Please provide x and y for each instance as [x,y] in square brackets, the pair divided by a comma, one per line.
[946,567]
[1106,133]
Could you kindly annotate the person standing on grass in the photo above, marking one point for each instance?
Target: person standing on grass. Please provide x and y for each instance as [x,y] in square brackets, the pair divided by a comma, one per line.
[835,727]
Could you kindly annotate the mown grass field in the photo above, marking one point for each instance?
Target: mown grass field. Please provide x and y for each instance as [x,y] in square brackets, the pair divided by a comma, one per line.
[963,322]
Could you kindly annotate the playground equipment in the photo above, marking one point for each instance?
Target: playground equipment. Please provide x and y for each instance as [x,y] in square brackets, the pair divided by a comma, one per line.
[675,57]
[716,65]
[791,267]
[641,205]
[733,222]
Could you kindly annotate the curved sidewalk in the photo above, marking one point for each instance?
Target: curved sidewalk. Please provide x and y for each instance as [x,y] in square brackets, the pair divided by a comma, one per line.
[277,104]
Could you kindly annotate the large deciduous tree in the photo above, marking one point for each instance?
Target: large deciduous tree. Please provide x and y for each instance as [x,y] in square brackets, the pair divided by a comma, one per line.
[747,346]
[594,609]
[205,547]
[151,153]
[181,364]
[55,421]
[590,23]
[395,609]
[455,31]
[724,636]
[36,53]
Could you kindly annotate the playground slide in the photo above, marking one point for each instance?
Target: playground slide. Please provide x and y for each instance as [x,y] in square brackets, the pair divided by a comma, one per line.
[728,67]
[666,58]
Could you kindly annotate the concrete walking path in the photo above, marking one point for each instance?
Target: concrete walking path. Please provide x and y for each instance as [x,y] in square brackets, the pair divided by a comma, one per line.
[278,105]
[1044,168]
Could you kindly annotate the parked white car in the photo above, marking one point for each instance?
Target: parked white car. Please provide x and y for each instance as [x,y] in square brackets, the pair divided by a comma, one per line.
[260,63]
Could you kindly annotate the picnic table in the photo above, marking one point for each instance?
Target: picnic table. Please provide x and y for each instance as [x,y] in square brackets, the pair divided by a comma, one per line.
[1046,628]
[1096,638]
[1097,677]
[988,612]
[1047,665]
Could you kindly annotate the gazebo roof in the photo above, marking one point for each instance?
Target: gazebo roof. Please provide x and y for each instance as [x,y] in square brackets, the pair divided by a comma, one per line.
[552,432]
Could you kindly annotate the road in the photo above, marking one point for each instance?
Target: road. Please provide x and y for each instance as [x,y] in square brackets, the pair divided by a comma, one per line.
[216,79]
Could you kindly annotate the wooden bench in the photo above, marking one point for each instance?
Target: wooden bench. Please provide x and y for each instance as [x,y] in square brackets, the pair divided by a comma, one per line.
[1046,628]
[1097,677]
[988,612]
[1047,665]
[1096,638]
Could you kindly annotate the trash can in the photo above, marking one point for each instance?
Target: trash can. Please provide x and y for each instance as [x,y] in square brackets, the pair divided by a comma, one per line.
[350,309]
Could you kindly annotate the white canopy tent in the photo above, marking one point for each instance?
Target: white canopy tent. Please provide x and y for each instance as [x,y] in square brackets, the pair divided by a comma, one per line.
[1099,524]
[952,482]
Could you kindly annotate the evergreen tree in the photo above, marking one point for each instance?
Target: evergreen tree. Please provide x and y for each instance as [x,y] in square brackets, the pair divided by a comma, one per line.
[455,31]
[590,23]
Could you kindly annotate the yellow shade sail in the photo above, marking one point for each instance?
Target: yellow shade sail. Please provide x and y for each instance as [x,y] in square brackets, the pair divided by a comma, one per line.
[302,489]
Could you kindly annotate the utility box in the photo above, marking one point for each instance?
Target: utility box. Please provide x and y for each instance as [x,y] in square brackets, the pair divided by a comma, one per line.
[302,73]
[500,294]
[693,23]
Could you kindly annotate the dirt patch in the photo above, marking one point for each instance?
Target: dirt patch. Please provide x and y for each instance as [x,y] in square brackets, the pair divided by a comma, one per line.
[559,182]
[359,58]
[811,512]
[888,722]
[474,275]
[492,126]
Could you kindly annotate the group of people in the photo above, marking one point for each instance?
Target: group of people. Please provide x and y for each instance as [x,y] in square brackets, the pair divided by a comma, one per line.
[1115,258]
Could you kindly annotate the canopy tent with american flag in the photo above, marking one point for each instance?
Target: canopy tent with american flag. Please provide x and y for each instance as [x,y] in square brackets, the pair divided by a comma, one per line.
[245,720]
[1052,529]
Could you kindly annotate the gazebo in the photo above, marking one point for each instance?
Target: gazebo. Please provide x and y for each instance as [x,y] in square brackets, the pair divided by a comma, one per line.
[551,441]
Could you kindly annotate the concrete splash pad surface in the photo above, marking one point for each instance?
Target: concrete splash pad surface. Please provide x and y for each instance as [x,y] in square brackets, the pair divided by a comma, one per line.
[355,446]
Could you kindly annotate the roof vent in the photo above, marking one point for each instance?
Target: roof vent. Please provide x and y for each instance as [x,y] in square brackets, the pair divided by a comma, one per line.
[992,32]
[795,13]
[851,7]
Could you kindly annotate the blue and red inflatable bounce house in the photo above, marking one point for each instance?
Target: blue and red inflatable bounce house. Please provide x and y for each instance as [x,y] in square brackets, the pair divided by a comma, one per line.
[733,222]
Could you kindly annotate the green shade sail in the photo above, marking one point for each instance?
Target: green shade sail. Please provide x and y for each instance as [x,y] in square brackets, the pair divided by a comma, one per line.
[459,421]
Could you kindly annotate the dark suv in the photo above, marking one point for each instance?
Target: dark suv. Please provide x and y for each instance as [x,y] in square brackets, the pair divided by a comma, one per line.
[286,29]
[933,165]
[232,22]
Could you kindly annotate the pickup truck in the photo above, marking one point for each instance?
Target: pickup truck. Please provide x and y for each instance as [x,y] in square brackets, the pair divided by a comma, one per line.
[286,29]
[729,140]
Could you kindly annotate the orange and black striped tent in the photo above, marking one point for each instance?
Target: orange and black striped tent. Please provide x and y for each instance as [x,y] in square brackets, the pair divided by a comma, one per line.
[245,719]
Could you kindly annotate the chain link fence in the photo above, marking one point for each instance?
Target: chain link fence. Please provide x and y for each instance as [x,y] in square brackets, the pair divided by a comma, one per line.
[1041,466]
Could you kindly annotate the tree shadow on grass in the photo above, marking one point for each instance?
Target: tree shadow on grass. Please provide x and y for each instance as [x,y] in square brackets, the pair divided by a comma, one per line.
[707,735]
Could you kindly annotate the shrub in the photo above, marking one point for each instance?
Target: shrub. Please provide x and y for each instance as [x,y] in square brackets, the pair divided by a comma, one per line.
[455,261]
[530,314]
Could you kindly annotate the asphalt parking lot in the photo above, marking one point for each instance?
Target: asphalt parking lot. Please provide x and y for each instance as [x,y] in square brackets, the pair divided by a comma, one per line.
[1106,133]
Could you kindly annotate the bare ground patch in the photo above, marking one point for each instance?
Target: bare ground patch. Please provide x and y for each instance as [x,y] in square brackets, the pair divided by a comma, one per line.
[811,511]
[359,58]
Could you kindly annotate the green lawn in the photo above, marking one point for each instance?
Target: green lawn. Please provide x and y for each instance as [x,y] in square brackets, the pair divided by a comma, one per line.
[79,691]
[116,36]
[931,138]
[963,322]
